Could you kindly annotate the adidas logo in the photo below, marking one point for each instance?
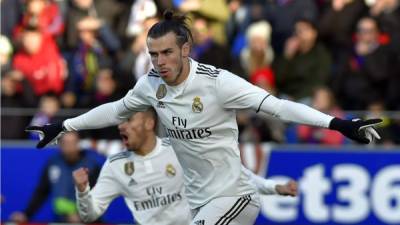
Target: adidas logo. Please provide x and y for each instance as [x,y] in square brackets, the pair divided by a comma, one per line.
[161,104]
[199,222]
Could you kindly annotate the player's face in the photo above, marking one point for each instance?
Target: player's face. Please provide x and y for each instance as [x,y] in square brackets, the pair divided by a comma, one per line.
[168,58]
[133,132]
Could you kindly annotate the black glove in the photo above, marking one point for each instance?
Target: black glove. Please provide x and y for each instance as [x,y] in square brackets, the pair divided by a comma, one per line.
[49,133]
[358,130]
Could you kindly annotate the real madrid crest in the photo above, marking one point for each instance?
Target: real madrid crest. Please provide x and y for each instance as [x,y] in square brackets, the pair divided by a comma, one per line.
[170,170]
[197,106]
[129,168]
[161,91]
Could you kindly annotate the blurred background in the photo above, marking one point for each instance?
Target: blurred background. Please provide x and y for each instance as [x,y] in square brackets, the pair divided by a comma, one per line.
[59,58]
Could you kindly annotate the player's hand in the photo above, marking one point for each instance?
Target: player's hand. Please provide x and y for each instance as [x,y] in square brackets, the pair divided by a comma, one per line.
[81,178]
[358,130]
[290,188]
[48,133]
[18,217]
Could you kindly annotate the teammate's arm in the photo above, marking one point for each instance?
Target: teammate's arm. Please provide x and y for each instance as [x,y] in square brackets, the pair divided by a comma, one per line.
[91,204]
[270,187]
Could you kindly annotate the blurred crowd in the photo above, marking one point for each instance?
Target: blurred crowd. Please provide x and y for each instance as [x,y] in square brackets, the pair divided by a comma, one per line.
[334,55]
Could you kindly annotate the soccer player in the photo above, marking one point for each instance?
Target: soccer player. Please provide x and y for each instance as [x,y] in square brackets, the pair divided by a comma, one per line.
[197,105]
[149,177]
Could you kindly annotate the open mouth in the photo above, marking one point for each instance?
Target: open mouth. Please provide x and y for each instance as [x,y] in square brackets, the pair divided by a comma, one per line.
[124,138]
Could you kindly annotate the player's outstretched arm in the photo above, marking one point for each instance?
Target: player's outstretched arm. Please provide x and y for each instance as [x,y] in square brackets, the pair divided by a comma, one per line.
[361,131]
[236,93]
[102,116]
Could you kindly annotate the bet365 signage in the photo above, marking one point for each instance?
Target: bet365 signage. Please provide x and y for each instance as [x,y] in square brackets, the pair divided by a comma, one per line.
[336,187]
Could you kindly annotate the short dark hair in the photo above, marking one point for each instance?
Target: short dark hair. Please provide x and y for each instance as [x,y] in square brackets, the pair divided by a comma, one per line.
[308,21]
[175,23]
[153,115]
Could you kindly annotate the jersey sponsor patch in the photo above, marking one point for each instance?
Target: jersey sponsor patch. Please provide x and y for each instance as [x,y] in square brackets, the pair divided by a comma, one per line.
[157,200]
[188,134]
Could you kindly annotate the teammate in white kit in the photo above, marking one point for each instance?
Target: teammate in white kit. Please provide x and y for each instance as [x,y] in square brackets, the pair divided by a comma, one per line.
[149,177]
[197,105]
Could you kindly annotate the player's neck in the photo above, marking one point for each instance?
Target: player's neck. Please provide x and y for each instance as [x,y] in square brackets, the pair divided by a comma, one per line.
[184,73]
[148,146]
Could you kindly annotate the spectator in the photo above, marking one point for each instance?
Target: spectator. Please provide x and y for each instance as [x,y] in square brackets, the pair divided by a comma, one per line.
[363,77]
[283,14]
[49,105]
[135,62]
[305,64]
[337,23]
[323,100]
[387,14]
[40,62]
[107,11]
[140,11]
[6,50]
[242,14]
[56,181]
[16,92]
[88,58]
[205,48]
[106,91]
[215,11]
[256,60]
[43,14]
[257,57]
[11,12]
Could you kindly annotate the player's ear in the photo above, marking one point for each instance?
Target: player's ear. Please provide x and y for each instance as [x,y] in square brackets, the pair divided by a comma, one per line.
[149,124]
[186,49]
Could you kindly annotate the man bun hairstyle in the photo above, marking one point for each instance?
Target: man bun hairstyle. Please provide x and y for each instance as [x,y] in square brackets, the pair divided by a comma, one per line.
[175,23]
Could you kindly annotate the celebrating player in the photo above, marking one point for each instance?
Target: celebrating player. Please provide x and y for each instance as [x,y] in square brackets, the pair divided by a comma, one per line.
[149,177]
[197,105]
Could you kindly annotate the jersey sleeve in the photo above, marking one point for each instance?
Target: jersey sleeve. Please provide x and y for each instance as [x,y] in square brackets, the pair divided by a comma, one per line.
[294,112]
[135,99]
[264,186]
[113,113]
[234,92]
[91,204]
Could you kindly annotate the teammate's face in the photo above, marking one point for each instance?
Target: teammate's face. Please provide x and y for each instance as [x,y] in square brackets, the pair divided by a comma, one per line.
[133,131]
[168,58]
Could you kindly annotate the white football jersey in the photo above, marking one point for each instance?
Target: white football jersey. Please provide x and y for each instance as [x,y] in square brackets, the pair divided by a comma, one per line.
[200,120]
[151,185]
